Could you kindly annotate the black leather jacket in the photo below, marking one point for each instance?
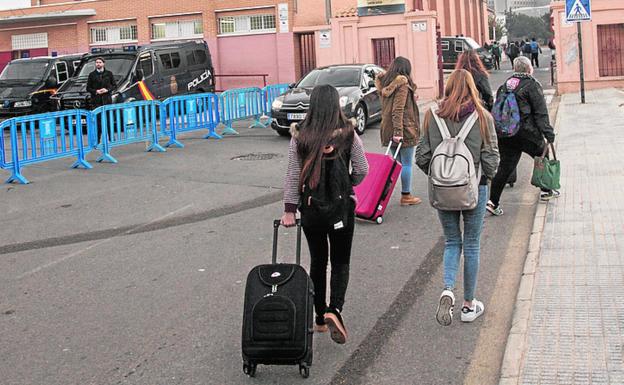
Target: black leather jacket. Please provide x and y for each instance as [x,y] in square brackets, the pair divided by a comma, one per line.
[535,124]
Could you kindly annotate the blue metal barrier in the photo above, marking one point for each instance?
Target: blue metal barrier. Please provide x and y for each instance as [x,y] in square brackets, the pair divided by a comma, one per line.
[270,93]
[124,124]
[189,113]
[43,137]
[239,104]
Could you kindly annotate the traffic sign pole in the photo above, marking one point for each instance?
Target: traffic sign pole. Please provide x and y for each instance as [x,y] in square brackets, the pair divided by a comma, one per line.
[580,48]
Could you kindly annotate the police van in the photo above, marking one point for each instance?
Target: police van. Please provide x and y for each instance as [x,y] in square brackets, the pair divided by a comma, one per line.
[26,85]
[151,72]
[452,47]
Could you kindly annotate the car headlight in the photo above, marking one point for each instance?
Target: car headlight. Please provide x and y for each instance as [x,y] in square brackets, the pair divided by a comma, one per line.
[25,103]
[277,103]
[344,100]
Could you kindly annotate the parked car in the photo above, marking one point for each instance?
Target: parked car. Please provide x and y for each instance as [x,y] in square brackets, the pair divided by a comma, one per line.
[26,85]
[155,71]
[355,84]
[452,47]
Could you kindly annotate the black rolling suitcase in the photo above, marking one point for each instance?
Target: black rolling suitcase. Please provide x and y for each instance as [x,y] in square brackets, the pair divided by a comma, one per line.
[278,314]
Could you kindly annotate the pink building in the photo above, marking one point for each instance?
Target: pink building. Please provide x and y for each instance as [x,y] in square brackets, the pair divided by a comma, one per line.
[603,47]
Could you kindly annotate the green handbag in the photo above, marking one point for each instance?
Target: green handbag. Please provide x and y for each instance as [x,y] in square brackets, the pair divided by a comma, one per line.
[546,172]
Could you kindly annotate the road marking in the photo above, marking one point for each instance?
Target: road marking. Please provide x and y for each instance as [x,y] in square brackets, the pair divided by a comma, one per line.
[78,252]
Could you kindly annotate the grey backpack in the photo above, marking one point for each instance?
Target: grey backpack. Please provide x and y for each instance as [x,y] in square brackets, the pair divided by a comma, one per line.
[453,180]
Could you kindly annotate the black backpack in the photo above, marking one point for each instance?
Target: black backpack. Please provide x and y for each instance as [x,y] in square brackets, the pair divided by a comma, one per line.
[329,202]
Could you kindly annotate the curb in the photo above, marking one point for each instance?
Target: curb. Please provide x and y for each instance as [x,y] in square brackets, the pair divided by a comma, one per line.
[516,349]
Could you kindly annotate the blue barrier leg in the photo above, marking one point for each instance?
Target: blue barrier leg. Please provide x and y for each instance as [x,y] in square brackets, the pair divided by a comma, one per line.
[174,143]
[212,134]
[81,162]
[106,156]
[155,147]
[16,176]
[228,130]
[258,123]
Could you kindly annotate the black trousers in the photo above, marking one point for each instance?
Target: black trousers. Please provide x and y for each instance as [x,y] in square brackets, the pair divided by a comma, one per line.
[535,60]
[326,243]
[511,150]
[496,62]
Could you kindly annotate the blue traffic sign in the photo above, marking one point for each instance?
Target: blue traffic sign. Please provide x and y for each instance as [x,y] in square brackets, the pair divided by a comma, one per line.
[578,10]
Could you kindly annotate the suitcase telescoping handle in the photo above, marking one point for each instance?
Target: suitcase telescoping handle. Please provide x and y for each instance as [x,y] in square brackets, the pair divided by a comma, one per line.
[276,225]
[396,153]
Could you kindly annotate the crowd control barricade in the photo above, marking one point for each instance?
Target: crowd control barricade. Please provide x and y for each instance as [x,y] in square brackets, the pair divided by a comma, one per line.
[122,124]
[186,113]
[270,93]
[239,104]
[44,137]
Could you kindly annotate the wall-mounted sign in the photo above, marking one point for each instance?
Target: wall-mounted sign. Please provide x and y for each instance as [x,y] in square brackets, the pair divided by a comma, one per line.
[325,38]
[419,26]
[282,12]
[380,7]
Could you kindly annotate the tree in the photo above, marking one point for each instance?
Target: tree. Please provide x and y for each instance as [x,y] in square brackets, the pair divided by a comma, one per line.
[496,25]
[523,26]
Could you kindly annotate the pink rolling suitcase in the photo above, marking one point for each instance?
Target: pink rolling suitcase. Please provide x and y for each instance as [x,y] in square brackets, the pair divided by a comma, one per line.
[376,189]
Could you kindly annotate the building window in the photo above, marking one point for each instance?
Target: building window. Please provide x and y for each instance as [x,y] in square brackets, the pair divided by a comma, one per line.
[246,24]
[178,30]
[611,50]
[114,35]
[31,41]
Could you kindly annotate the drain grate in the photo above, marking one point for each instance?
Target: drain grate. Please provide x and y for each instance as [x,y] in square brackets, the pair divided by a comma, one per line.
[256,156]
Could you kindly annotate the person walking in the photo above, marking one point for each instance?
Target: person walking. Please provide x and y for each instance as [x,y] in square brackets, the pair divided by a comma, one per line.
[496,53]
[526,48]
[535,51]
[100,83]
[470,61]
[400,119]
[461,102]
[513,52]
[325,154]
[534,129]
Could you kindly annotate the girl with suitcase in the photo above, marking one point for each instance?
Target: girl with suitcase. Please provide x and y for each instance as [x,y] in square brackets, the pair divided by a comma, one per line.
[319,182]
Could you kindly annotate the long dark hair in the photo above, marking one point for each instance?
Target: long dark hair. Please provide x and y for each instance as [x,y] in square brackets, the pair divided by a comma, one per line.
[470,61]
[325,125]
[399,66]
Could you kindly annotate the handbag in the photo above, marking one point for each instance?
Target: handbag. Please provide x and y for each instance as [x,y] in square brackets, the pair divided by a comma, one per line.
[546,172]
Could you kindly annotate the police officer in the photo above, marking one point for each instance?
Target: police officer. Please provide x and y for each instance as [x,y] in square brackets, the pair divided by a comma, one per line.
[100,84]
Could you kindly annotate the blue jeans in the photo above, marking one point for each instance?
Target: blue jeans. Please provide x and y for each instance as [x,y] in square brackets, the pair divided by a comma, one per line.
[473,225]
[406,157]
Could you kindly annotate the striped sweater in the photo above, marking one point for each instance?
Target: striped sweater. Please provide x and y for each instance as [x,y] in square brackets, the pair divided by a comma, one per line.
[359,169]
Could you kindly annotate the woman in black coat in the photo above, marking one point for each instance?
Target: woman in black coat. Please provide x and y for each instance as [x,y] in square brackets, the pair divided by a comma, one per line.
[470,61]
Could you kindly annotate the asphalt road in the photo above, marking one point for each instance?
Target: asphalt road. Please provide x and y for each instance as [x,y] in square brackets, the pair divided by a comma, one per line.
[134,274]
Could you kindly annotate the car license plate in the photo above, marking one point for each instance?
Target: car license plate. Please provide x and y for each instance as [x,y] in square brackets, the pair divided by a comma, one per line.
[300,116]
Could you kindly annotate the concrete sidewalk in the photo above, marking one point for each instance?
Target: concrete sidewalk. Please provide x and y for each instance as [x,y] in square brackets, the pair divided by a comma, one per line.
[568,325]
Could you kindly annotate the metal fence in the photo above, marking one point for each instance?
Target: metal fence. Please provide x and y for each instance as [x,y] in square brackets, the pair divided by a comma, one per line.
[189,113]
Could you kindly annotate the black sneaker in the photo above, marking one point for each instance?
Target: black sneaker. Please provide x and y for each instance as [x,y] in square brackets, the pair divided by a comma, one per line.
[334,321]
[548,195]
[319,325]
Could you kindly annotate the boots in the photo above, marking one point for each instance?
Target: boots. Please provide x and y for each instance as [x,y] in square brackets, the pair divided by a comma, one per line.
[409,199]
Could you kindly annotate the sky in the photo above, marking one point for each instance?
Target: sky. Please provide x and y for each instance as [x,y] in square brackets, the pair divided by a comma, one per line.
[10,4]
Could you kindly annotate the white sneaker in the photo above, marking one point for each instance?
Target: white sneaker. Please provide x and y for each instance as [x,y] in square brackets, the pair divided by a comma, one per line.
[444,314]
[471,314]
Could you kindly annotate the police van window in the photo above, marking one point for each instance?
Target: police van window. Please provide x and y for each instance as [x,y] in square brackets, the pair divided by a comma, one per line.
[190,59]
[76,64]
[200,56]
[459,46]
[146,65]
[61,72]
[445,46]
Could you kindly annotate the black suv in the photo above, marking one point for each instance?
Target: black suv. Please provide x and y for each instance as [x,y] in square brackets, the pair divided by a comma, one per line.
[354,82]
[452,47]
[26,85]
[154,71]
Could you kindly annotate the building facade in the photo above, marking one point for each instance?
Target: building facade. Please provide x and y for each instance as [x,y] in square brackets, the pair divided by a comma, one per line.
[247,38]
[603,47]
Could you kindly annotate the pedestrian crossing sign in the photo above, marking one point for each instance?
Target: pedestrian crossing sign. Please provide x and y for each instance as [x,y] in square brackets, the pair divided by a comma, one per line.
[578,10]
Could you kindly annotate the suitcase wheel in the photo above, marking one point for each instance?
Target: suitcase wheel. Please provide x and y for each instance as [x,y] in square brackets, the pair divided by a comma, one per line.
[511,185]
[249,369]
[304,371]
[379,220]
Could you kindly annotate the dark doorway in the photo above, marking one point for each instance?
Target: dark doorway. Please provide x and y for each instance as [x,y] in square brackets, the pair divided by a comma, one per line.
[384,52]
[307,53]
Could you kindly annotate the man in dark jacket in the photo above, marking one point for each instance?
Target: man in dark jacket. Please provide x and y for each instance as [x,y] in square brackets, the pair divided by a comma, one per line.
[534,129]
[100,84]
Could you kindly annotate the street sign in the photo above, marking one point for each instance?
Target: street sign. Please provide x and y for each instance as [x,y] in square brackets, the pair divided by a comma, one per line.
[578,10]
